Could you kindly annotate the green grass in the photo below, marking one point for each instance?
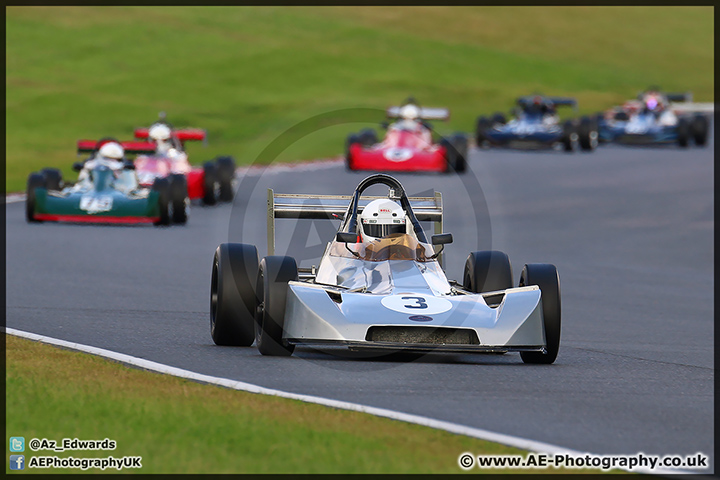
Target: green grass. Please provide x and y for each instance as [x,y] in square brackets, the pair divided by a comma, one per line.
[179,426]
[248,73]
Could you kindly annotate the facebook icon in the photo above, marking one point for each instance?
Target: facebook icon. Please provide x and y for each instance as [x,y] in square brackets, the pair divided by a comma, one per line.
[17,462]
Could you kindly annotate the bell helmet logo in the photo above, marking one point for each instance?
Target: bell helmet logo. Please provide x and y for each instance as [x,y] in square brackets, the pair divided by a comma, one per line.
[420,318]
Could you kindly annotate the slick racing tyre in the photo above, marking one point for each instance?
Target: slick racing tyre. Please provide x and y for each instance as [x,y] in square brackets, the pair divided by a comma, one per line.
[569,136]
[483,124]
[368,137]
[178,194]
[35,180]
[700,126]
[274,273]
[456,148]
[683,132]
[53,178]
[226,173]
[487,271]
[546,277]
[587,134]
[498,119]
[210,179]
[232,295]
[351,139]
[162,186]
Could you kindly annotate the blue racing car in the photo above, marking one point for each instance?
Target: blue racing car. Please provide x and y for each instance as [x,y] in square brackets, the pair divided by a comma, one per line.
[653,120]
[536,125]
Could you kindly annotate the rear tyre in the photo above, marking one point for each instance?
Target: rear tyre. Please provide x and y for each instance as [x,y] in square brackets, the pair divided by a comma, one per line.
[587,134]
[232,295]
[162,186]
[683,132]
[546,277]
[274,273]
[351,139]
[210,179]
[178,194]
[621,116]
[700,127]
[53,178]
[498,118]
[368,137]
[35,180]
[487,271]
[483,124]
[569,135]
[226,173]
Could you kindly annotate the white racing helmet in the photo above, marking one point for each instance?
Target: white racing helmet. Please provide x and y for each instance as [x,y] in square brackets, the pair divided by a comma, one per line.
[112,150]
[409,112]
[159,132]
[380,218]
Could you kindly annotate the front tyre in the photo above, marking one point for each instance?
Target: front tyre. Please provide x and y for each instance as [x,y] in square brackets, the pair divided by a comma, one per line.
[587,134]
[232,295]
[274,273]
[210,179]
[683,132]
[178,194]
[700,127]
[545,276]
[35,180]
[226,173]
[162,186]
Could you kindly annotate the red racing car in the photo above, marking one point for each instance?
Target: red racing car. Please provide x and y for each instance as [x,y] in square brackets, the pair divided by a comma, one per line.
[210,183]
[408,144]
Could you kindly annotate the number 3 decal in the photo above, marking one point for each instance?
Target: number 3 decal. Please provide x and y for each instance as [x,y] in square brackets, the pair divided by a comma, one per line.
[420,302]
[413,303]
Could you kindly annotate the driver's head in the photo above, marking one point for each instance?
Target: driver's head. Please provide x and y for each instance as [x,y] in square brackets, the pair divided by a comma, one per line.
[380,218]
[409,112]
[112,151]
[652,101]
[160,134]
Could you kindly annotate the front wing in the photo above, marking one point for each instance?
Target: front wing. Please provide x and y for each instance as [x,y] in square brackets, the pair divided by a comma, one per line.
[112,208]
[314,316]
[397,159]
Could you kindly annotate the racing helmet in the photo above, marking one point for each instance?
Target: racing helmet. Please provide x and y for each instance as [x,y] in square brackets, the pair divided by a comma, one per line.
[159,132]
[112,150]
[409,112]
[380,218]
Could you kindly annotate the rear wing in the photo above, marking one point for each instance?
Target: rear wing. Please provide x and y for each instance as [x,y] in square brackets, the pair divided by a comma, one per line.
[334,207]
[557,101]
[425,113]
[131,148]
[182,134]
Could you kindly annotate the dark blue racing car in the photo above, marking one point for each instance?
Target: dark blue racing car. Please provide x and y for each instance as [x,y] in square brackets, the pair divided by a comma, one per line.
[536,125]
[653,120]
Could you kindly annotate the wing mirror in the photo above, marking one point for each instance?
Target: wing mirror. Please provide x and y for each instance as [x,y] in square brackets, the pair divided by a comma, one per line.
[345,237]
[77,166]
[128,165]
[442,239]
[384,125]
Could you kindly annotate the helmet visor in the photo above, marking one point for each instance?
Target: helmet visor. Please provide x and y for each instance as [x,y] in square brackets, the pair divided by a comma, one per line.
[379,230]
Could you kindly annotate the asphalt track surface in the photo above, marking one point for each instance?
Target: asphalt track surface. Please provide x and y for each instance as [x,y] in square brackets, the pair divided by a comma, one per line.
[629,229]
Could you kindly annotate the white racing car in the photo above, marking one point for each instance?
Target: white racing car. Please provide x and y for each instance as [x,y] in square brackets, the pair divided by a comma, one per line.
[380,284]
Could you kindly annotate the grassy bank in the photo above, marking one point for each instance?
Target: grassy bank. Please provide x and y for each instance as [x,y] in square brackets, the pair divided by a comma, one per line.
[248,73]
[178,426]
